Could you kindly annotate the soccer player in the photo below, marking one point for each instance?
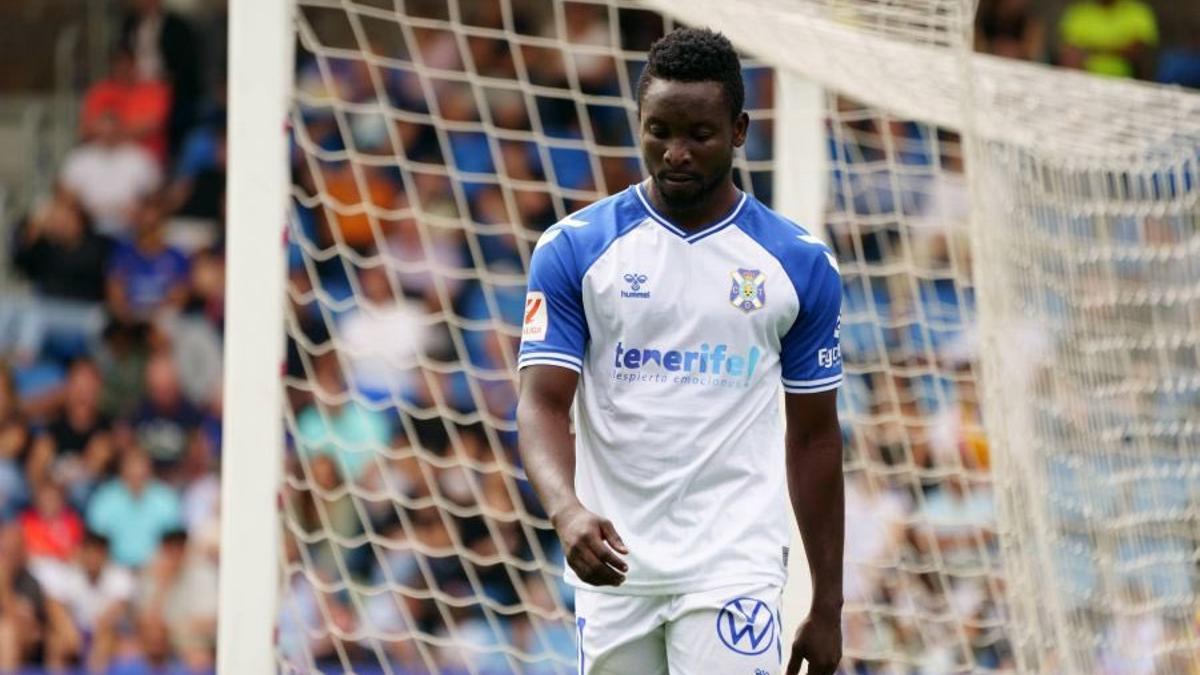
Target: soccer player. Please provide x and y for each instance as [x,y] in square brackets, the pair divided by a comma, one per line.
[670,314]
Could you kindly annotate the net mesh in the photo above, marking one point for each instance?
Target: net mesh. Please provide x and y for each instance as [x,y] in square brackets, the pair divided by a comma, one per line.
[433,141]
[432,144]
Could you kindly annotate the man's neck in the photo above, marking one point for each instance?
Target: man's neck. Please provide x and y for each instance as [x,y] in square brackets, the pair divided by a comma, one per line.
[700,213]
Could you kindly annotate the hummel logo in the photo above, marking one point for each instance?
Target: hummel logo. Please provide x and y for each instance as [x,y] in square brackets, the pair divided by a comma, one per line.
[635,282]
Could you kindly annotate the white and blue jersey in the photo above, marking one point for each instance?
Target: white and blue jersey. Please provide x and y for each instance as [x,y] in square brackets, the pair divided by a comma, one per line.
[682,341]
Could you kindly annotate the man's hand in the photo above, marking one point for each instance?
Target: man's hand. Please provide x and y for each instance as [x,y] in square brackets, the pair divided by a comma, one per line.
[591,544]
[819,642]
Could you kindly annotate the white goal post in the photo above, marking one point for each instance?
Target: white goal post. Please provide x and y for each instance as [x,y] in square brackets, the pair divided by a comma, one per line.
[1020,254]
[260,47]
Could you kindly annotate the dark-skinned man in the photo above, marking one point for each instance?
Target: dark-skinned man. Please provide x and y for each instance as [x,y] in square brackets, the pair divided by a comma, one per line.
[670,315]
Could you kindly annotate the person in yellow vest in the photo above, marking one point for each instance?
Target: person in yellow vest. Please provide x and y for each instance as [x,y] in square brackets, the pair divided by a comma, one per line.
[1108,37]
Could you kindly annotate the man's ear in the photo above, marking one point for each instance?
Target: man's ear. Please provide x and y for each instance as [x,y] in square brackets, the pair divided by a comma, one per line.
[740,125]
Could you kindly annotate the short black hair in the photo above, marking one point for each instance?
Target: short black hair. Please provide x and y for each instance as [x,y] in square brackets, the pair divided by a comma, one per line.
[696,55]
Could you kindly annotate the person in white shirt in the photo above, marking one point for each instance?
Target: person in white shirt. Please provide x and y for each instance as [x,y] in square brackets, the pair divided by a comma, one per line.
[110,175]
[95,591]
[671,315]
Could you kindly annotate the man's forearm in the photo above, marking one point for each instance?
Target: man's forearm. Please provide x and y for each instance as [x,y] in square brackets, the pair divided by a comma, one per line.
[818,500]
[548,453]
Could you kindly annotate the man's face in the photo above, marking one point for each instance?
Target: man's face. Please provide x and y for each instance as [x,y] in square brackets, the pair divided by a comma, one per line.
[135,471]
[83,386]
[49,501]
[108,129]
[123,68]
[146,6]
[93,557]
[162,382]
[148,221]
[688,138]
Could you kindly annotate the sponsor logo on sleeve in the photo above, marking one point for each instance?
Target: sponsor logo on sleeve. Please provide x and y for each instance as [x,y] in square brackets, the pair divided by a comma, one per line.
[829,357]
[832,356]
[537,321]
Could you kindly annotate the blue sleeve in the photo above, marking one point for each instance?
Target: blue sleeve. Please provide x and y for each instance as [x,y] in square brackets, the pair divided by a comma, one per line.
[555,328]
[199,153]
[811,352]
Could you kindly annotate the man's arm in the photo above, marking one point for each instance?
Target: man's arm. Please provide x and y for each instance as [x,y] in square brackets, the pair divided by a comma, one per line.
[814,469]
[547,450]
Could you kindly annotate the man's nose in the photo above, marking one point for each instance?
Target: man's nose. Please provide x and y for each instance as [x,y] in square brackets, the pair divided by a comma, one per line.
[676,154]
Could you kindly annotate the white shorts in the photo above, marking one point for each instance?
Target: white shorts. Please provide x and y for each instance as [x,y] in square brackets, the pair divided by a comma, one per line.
[736,630]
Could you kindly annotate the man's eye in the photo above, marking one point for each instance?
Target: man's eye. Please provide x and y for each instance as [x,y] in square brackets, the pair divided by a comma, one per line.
[658,132]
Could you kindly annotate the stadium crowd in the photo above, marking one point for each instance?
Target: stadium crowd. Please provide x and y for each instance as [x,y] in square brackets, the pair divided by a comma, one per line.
[405,288]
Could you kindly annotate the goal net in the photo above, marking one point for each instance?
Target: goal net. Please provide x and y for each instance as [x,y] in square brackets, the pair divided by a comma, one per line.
[1020,254]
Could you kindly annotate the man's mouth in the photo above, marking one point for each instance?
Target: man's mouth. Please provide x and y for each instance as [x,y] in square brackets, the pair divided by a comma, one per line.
[678,178]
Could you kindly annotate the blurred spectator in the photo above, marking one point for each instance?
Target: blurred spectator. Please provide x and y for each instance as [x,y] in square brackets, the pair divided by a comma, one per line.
[198,186]
[383,337]
[194,335]
[1180,64]
[208,285]
[166,421]
[299,617]
[956,431]
[1108,37]
[358,197]
[196,352]
[110,175]
[177,604]
[14,448]
[326,509]
[122,357]
[52,530]
[1010,28]
[961,519]
[147,277]
[58,251]
[165,48]
[139,105]
[875,518]
[134,510]
[422,257]
[336,425]
[202,496]
[96,594]
[33,627]
[75,446]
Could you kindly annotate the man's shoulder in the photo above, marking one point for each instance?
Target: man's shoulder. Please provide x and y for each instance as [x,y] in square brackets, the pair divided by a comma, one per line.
[111,492]
[162,496]
[83,157]
[586,233]
[791,243]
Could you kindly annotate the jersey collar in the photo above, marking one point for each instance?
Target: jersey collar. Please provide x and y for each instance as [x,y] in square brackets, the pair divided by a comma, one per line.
[690,237]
